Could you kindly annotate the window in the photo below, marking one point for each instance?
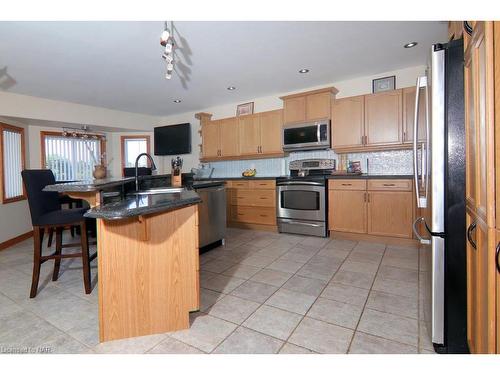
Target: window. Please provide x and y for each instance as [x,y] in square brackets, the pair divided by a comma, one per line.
[132,146]
[71,158]
[12,154]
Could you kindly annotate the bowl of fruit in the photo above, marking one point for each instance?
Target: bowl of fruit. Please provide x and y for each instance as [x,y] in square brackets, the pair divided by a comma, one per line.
[249,173]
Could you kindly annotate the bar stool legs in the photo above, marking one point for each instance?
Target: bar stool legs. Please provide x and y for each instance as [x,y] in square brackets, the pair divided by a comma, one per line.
[85,258]
[57,261]
[38,241]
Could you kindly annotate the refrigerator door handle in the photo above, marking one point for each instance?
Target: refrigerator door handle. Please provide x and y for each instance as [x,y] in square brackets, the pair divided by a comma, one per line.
[421,201]
[427,142]
[415,143]
[423,241]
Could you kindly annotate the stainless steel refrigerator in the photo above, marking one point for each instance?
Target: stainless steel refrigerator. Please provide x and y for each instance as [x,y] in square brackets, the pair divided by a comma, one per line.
[439,169]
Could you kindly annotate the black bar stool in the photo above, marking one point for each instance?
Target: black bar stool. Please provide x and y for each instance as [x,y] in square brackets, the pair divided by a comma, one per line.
[46,213]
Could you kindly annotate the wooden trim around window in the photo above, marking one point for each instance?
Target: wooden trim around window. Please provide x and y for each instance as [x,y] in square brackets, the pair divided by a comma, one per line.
[44,134]
[123,138]
[23,161]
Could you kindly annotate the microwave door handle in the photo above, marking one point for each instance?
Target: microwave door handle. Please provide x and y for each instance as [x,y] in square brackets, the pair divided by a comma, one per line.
[318,132]
[415,142]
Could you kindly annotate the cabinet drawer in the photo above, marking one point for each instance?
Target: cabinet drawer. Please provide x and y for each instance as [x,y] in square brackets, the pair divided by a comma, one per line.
[394,185]
[239,184]
[262,184]
[259,198]
[254,215]
[343,184]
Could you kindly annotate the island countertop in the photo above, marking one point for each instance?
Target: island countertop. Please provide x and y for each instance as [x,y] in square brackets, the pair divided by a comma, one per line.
[135,205]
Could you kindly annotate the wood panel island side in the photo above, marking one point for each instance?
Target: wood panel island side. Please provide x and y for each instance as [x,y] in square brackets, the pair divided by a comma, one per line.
[148,260]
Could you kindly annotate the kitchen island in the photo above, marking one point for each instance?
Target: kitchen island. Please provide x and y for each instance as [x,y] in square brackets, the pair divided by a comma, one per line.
[148,264]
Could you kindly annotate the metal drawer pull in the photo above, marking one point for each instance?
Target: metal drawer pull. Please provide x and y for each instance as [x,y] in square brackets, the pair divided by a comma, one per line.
[423,241]
[264,215]
[389,184]
[471,228]
[497,257]
[346,184]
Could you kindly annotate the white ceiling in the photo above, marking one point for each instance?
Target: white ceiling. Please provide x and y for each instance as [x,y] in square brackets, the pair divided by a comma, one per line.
[118,65]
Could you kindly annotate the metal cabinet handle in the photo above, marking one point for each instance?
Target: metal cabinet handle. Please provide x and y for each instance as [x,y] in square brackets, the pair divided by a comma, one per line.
[497,257]
[346,184]
[389,184]
[368,197]
[471,228]
[423,241]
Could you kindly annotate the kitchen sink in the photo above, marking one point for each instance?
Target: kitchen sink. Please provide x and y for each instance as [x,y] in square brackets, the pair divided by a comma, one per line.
[163,190]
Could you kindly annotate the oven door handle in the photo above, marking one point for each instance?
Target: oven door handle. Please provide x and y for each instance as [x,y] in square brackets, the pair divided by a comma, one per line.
[288,183]
[302,223]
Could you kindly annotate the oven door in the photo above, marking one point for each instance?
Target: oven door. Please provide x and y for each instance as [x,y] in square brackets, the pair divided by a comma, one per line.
[301,200]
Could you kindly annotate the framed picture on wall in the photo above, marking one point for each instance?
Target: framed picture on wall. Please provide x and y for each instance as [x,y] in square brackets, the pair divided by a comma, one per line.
[244,109]
[384,84]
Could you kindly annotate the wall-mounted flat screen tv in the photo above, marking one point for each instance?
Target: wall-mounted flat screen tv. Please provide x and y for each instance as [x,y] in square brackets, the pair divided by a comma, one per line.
[173,139]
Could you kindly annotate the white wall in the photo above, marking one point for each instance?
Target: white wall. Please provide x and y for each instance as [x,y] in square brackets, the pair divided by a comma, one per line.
[357,86]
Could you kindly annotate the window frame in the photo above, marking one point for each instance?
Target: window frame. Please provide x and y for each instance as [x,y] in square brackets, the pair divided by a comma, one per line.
[19,130]
[44,134]
[123,138]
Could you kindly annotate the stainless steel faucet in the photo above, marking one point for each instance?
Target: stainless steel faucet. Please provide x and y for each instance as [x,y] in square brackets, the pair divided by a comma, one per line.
[153,167]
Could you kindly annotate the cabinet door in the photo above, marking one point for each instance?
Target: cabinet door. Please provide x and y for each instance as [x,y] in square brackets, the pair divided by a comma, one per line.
[294,109]
[348,122]
[318,106]
[210,139]
[249,129]
[271,126]
[481,287]
[471,155]
[497,287]
[383,118]
[347,211]
[409,114]
[390,213]
[229,137]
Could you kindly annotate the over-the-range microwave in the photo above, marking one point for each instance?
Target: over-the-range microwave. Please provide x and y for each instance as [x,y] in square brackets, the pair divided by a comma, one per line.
[306,136]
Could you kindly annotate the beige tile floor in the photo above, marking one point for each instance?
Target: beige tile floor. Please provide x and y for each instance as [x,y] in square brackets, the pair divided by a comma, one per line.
[260,293]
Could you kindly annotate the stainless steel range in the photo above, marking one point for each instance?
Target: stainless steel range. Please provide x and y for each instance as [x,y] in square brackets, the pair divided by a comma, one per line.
[301,198]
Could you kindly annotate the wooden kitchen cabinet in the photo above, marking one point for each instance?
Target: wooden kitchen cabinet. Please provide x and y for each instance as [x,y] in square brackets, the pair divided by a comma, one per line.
[271,125]
[318,106]
[294,110]
[347,211]
[409,94]
[383,118]
[252,204]
[308,106]
[497,287]
[390,213]
[229,137]
[210,137]
[246,137]
[249,128]
[348,122]
[378,207]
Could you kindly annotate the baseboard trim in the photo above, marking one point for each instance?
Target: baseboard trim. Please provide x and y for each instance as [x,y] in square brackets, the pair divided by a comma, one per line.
[369,237]
[16,240]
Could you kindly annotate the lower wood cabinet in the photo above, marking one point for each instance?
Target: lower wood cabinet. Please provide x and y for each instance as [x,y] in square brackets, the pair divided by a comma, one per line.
[482,278]
[376,207]
[347,211]
[252,204]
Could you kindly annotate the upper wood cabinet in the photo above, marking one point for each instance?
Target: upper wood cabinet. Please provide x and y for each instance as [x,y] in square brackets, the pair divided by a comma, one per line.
[271,125]
[383,118]
[308,106]
[260,133]
[210,138]
[409,94]
[348,122]
[249,127]
[246,137]
[294,109]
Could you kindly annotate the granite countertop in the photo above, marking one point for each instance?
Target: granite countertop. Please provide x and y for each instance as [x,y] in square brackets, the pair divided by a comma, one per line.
[135,205]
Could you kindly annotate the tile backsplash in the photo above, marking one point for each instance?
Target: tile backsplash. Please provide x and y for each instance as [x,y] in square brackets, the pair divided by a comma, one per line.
[399,162]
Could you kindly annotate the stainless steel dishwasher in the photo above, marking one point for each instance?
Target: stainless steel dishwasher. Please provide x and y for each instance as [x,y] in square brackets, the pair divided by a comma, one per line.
[211,211]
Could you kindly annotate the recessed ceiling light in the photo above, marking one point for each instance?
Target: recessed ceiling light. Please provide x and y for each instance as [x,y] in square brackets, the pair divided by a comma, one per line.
[231,88]
[410,45]
[177,101]
[304,71]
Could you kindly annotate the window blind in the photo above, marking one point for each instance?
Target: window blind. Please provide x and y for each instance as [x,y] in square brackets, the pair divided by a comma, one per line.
[71,158]
[134,147]
[12,163]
